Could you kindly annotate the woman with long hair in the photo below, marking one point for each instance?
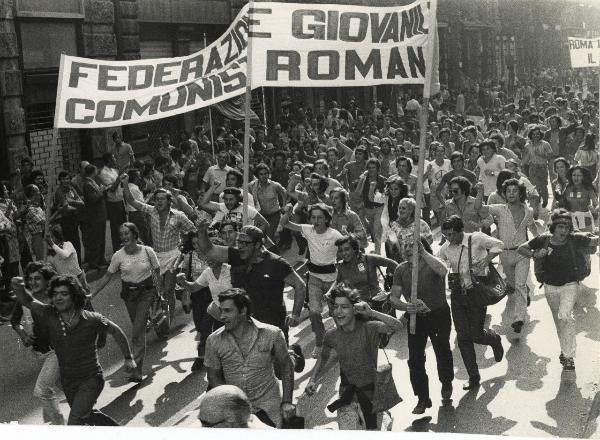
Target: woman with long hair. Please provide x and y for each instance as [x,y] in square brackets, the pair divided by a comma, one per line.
[138,266]
[559,185]
[587,155]
[580,198]
[395,191]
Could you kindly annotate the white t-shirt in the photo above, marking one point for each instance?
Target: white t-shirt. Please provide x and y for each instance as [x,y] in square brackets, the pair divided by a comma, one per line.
[216,285]
[438,171]
[215,173]
[495,164]
[235,215]
[323,250]
[134,268]
[137,195]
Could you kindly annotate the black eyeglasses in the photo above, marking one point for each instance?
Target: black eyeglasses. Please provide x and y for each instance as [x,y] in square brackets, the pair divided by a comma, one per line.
[206,424]
[245,243]
[454,190]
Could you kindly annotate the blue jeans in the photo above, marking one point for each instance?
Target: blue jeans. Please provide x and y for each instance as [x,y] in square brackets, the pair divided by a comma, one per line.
[82,395]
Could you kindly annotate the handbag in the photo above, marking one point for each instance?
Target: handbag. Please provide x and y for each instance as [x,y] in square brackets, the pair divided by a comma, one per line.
[159,317]
[385,393]
[488,289]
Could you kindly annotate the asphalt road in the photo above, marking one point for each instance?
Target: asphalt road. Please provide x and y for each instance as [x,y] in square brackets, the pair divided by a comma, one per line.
[527,394]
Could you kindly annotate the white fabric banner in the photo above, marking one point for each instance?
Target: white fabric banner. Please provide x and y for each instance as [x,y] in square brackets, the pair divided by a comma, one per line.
[95,93]
[314,45]
[293,45]
[585,52]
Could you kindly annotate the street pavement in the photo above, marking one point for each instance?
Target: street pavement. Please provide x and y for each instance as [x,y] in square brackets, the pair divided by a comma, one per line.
[527,394]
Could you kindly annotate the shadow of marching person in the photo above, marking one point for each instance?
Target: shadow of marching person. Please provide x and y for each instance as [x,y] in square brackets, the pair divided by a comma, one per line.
[568,409]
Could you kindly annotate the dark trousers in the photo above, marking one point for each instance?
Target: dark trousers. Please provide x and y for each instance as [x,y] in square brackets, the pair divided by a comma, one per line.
[273,220]
[204,323]
[469,320]
[435,326]
[115,212]
[70,228]
[82,395]
[94,241]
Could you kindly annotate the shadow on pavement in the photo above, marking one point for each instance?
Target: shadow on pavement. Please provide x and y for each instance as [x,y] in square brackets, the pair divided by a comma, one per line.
[567,409]
[471,415]
[525,367]
[176,396]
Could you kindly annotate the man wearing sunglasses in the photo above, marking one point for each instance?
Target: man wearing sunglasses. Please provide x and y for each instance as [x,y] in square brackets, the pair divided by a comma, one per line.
[463,205]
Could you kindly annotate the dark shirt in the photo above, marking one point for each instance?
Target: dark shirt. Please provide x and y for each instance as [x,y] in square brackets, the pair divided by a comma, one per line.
[431,287]
[41,339]
[380,186]
[281,176]
[264,283]
[558,264]
[75,347]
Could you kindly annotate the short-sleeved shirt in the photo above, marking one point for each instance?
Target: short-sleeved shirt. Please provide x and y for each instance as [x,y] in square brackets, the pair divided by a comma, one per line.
[558,264]
[351,221]
[431,287]
[167,238]
[356,351]
[216,285]
[323,251]
[254,374]
[467,213]
[134,268]
[123,154]
[75,347]
[495,164]
[456,256]
[219,174]
[264,282]
[360,275]
[235,215]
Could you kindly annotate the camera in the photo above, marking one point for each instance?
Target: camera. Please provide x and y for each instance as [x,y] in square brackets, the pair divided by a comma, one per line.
[454,283]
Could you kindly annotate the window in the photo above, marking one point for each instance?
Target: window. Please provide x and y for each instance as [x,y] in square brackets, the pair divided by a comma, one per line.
[43,42]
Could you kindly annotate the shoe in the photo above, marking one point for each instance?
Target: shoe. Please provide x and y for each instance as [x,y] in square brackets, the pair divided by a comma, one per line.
[498,349]
[136,377]
[569,364]
[198,364]
[422,405]
[517,326]
[316,352]
[471,384]
[299,363]
[446,393]
[561,359]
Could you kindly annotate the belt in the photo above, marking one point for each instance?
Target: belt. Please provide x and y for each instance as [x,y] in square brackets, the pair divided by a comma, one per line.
[315,268]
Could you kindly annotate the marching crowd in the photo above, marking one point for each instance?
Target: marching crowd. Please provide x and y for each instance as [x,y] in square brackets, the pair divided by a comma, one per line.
[512,177]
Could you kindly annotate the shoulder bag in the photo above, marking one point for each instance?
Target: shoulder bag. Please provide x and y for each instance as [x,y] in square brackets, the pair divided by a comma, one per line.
[385,393]
[488,289]
[158,315]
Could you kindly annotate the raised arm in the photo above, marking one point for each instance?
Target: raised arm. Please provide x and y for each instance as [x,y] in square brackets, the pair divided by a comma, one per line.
[286,223]
[206,247]
[480,208]
[206,203]
[24,297]
[129,199]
